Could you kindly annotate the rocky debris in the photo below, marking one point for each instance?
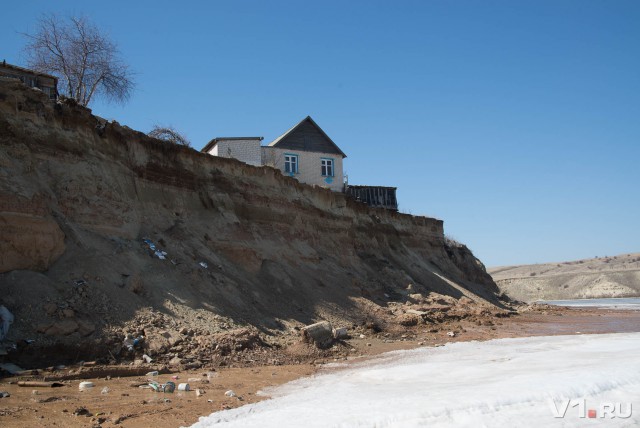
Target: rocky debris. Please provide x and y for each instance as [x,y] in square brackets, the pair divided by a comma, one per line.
[320,334]
[409,319]
[340,333]
[82,411]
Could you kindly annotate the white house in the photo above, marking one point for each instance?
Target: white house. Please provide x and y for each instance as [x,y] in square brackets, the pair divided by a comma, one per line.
[305,152]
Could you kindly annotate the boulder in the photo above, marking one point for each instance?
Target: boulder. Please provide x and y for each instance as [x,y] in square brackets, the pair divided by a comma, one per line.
[320,334]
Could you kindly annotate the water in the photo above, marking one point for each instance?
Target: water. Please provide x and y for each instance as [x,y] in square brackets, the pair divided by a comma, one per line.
[521,382]
[631,303]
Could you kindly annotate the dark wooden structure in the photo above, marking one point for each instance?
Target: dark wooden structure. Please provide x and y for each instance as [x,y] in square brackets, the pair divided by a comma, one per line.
[374,196]
[33,79]
[307,136]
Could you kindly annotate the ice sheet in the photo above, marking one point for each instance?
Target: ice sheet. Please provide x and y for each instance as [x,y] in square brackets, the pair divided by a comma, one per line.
[630,303]
[504,383]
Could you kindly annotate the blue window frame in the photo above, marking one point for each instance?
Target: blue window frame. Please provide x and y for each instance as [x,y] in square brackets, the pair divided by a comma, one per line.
[326,167]
[290,163]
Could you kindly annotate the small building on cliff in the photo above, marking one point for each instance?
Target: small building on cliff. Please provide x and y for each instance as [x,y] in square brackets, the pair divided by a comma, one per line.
[245,149]
[33,79]
[305,152]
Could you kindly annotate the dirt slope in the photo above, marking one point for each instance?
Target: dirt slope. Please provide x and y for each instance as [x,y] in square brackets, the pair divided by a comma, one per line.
[617,276]
[246,246]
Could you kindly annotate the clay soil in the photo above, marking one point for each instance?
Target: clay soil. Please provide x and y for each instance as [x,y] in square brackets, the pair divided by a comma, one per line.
[125,404]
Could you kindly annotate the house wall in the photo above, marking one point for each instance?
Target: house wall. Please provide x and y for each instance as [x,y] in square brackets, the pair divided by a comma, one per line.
[247,151]
[33,80]
[309,166]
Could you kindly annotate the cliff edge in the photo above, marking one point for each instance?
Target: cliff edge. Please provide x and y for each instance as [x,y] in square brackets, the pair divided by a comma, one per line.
[106,231]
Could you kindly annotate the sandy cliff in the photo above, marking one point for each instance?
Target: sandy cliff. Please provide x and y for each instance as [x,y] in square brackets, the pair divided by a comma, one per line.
[78,196]
[617,276]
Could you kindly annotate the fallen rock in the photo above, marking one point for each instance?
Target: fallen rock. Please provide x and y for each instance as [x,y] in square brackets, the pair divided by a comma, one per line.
[82,411]
[320,334]
[340,333]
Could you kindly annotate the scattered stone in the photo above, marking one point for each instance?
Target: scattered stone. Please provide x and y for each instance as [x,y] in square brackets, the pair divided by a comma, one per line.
[82,411]
[451,334]
[85,385]
[362,336]
[4,394]
[105,390]
[199,392]
[230,393]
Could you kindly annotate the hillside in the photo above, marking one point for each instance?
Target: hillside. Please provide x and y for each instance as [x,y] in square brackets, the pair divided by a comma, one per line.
[251,255]
[617,276]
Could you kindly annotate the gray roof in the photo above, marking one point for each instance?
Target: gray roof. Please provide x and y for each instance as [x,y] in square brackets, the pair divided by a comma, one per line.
[306,135]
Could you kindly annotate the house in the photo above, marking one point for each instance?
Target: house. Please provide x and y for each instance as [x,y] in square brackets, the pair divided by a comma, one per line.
[306,153]
[245,149]
[33,79]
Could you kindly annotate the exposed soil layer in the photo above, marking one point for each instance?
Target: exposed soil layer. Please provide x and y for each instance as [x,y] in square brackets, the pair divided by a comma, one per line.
[110,237]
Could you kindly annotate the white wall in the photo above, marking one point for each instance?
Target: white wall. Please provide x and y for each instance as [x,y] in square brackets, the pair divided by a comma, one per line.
[309,166]
[247,151]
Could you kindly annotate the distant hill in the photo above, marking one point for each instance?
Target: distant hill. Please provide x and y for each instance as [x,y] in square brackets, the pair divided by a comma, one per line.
[601,277]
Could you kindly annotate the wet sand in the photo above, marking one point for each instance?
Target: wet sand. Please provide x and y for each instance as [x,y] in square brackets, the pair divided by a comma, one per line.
[127,405]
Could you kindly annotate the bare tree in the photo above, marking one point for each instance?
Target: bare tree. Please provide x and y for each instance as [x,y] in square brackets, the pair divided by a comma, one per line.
[168,133]
[86,61]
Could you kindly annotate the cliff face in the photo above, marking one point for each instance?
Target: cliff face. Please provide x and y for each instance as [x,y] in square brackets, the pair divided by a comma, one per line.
[78,196]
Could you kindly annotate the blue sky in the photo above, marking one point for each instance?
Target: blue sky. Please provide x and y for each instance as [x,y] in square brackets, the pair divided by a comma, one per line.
[516,122]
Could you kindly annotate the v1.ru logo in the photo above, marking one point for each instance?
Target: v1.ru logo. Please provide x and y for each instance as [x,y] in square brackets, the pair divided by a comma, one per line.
[604,410]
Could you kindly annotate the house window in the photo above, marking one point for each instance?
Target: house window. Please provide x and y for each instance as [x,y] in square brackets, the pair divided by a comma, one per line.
[291,164]
[327,167]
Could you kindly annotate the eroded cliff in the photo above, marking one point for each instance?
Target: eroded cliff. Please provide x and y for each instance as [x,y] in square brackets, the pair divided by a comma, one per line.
[245,246]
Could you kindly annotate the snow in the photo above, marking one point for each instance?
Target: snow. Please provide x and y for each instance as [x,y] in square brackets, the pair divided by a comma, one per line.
[630,303]
[498,383]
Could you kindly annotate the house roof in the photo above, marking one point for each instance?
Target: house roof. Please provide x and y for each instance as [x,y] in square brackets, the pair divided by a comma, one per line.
[27,70]
[215,141]
[298,137]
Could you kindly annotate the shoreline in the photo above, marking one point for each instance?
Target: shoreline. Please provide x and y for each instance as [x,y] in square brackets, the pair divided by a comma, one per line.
[125,405]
